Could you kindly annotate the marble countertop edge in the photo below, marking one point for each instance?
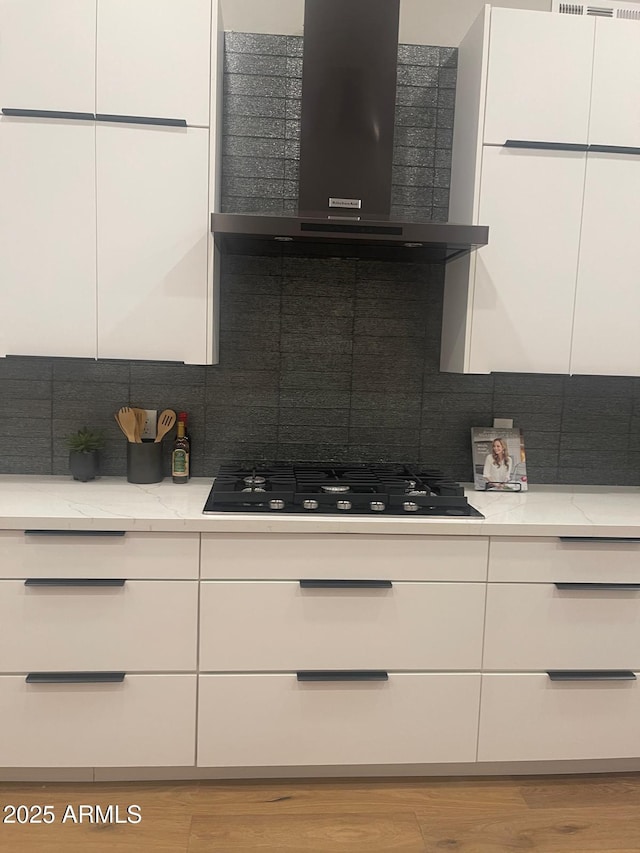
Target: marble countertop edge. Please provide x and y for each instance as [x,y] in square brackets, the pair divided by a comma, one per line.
[111,503]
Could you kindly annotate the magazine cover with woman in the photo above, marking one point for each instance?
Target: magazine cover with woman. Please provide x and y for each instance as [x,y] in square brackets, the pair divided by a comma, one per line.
[499,460]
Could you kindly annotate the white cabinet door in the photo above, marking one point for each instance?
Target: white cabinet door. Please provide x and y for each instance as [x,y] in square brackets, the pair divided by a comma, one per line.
[153,298]
[275,720]
[47,238]
[394,628]
[615,106]
[528,717]
[539,77]
[525,278]
[142,721]
[47,54]
[154,58]
[607,317]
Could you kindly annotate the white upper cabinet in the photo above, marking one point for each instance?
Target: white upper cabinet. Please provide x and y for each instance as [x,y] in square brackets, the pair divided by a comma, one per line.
[615,103]
[154,299]
[606,336]
[48,54]
[525,278]
[539,77]
[154,59]
[47,238]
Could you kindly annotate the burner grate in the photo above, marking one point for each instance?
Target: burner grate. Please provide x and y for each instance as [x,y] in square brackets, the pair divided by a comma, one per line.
[348,488]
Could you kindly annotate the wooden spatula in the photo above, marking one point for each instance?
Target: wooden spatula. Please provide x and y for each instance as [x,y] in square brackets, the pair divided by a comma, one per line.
[141,419]
[165,421]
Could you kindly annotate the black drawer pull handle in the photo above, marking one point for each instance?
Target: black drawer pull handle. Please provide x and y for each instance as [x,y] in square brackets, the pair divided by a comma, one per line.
[548,146]
[8,111]
[599,586]
[75,677]
[75,532]
[167,122]
[344,584]
[599,538]
[614,149]
[343,675]
[53,582]
[591,675]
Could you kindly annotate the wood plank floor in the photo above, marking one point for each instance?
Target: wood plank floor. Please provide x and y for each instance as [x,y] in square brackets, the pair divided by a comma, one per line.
[582,814]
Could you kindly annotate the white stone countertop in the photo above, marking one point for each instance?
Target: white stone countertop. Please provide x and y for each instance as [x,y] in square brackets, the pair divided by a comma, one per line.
[110,503]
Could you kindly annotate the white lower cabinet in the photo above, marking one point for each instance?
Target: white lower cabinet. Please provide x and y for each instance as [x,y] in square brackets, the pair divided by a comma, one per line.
[541,626]
[141,625]
[296,651]
[404,626]
[346,555]
[274,719]
[547,559]
[98,554]
[144,721]
[528,717]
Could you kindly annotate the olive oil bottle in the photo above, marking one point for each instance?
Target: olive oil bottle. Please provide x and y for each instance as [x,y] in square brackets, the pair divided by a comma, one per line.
[180,456]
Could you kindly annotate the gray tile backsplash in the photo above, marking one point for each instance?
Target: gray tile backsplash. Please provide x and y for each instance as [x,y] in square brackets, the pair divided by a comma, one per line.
[262,105]
[326,359]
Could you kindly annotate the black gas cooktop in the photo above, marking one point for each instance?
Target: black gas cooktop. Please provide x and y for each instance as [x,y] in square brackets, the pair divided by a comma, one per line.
[337,489]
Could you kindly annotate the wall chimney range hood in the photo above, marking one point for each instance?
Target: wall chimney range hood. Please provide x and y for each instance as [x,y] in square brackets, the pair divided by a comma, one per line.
[346,152]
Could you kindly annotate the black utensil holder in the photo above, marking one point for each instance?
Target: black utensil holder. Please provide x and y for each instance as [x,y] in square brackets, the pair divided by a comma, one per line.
[144,462]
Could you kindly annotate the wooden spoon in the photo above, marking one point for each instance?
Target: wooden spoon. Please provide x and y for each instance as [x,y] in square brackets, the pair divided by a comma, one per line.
[166,420]
[127,420]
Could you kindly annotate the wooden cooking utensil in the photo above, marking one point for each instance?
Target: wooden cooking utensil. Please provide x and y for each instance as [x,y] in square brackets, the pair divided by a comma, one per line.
[120,425]
[127,419]
[165,421]
[141,419]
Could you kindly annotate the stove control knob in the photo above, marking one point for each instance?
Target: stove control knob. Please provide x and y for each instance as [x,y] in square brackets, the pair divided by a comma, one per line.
[410,506]
[343,504]
[377,506]
[276,504]
[311,504]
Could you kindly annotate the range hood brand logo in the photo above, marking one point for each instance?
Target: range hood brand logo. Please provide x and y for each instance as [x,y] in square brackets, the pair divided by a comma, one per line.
[352,203]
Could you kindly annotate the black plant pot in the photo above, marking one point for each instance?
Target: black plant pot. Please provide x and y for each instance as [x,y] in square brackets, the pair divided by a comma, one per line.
[83,466]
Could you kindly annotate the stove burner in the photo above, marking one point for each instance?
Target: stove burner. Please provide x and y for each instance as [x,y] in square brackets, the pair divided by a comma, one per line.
[255,480]
[337,489]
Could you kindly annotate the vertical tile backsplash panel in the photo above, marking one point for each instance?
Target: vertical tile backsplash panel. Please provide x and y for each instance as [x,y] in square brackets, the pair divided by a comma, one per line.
[261,135]
[326,359]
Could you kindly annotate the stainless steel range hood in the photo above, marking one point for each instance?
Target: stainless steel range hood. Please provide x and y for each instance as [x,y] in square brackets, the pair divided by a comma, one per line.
[346,151]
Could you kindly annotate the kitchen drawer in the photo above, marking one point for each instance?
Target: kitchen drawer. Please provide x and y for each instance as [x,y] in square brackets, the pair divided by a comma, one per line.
[143,721]
[276,720]
[537,626]
[142,625]
[277,625]
[552,559]
[98,554]
[528,717]
[255,556]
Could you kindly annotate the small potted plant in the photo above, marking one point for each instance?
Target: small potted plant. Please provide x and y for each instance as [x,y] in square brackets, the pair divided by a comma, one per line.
[83,453]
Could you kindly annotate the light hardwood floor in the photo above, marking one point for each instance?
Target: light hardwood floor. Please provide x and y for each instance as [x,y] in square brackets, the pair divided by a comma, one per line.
[582,814]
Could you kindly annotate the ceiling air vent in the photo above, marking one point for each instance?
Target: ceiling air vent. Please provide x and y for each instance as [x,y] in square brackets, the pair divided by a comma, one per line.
[625,9]
[570,9]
